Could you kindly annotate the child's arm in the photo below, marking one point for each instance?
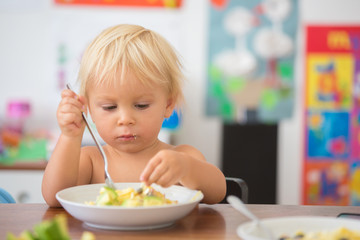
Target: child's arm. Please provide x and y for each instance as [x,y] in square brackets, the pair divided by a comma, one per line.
[187,166]
[63,167]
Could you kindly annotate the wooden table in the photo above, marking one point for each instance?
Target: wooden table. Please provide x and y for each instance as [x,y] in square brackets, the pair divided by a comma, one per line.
[204,222]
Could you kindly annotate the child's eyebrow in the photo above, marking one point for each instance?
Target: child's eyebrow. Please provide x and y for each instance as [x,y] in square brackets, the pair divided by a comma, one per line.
[103,97]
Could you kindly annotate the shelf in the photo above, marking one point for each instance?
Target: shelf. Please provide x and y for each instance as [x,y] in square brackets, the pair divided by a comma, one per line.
[35,165]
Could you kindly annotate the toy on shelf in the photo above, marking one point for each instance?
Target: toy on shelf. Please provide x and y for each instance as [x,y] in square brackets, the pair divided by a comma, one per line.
[16,143]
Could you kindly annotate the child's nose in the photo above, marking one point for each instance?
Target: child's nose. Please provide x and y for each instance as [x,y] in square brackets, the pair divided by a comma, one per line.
[125,118]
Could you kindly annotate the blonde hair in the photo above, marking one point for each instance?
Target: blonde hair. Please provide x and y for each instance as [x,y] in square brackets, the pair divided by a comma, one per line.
[131,47]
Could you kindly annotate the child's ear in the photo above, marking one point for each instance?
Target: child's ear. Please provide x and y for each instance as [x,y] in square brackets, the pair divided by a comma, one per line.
[169,107]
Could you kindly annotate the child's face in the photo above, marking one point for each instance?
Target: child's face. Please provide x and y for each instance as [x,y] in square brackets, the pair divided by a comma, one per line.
[129,116]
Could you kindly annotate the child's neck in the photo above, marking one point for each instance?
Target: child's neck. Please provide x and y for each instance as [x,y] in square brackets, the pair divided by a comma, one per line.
[145,153]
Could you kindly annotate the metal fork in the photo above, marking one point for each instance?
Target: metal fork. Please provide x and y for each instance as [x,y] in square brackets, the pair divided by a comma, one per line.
[108,180]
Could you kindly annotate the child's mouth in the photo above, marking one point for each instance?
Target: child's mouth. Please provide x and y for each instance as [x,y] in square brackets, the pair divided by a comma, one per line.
[127,137]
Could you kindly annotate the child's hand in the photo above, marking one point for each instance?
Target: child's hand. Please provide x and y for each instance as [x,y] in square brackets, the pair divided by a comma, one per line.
[166,168]
[69,113]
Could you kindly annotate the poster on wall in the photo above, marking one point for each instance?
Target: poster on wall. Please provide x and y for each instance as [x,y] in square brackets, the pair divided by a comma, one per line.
[124,3]
[251,60]
[332,116]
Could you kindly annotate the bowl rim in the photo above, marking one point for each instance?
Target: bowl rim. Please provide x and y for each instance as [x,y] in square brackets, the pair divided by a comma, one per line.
[244,234]
[196,199]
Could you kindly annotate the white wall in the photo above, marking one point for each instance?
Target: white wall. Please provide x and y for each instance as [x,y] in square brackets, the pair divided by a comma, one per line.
[198,130]
[26,71]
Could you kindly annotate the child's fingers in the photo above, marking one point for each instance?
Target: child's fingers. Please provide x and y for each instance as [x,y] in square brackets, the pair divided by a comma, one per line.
[157,174]
[149,169]
[70,116]
[69,111]
[82,99]
[69,99]
[70,104]
[165,180]
[68,93]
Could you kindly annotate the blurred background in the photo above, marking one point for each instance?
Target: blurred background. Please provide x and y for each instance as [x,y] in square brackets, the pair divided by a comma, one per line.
[250,69]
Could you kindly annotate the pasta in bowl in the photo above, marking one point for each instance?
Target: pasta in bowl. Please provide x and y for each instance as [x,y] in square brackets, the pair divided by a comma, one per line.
[145,196]
[75,201]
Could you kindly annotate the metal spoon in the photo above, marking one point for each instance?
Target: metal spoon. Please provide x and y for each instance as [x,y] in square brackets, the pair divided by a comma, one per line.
[108,180]
[236,203]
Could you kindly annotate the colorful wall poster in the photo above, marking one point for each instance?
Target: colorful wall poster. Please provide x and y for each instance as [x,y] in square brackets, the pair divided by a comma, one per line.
[332,116]
[251,60]
[124,3]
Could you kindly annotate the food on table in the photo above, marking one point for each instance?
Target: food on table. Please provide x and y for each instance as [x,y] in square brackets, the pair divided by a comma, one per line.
[143,197]
[338,234]
[56,228]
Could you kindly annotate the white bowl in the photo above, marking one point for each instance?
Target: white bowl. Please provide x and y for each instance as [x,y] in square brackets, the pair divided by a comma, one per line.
[127,218]
[290,225]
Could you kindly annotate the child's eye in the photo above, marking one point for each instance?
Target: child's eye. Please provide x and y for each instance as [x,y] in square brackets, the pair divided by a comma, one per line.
[109,107]
[142,106]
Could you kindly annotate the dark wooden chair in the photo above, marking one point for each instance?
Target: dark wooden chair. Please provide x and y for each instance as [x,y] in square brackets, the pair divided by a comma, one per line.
[236,187]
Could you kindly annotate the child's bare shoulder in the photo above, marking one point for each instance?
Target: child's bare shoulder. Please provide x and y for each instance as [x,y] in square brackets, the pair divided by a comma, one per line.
[90,151]
[185,147]
[190,150]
